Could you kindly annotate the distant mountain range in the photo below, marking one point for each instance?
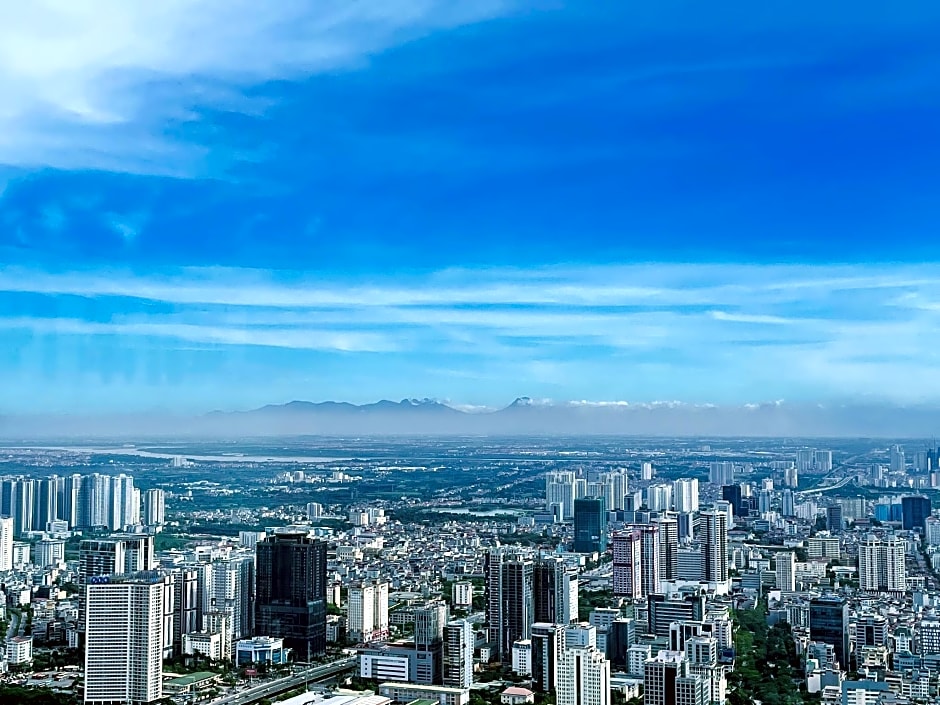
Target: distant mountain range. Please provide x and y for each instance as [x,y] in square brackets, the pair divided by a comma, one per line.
[524,416]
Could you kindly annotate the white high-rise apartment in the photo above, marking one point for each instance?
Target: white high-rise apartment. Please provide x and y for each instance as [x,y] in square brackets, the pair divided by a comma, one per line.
[685,495]
[583,677]
[619,484]
[659,497]
[898,462]
[560,490]
[881,565]
[6,544]
[822,460]
[124,639]
[646,471]
[721,473]
[932,531]
[714,527]
[786,571]
[155,507]
[805,459]
[367,612]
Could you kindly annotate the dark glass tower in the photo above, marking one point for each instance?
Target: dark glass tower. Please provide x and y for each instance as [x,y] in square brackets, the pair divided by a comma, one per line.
[829,623]
[732,494]
[590,525]
[291,591]
[914,512]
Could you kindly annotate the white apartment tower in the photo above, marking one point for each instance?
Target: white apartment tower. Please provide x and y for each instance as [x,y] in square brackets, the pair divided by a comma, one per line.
[6,544]
[881,565]
[786,571]
[457,660]
[685,495]
[628,564]
[154,507]
[583,677]
[367,612]
[124,639]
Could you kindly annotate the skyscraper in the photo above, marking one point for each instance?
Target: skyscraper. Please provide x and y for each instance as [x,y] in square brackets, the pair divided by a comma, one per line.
[669,547]
[547,642]
[367,611]
[291,591]
[627,565]
[715,547]
[668,681]
[509,599]
[555,591]
[721,473]
[590,525]
[124,639]
[560,491]
[458,654]
[829,623]
[915,511]
[651,559]
[834,520]
[734,495]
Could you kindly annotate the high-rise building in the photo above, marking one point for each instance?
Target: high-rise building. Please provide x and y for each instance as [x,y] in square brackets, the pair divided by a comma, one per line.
[6,544]
[590,525]
[154,507]
[185,614]
[367,612]
[734,495]
[881,565]
[650,559]
[119,554]
[555,591]
[125,503]
[932,531]
[627,564]
[547,642]
[659,497]
[669,547]
[686,605]
[805,459]
[124,639]
[509,599]
[46,552]
[291,591]
[685,495]
[583,677]
[721,473]
[898,462]
[714,547]
[829,623]
[429,626]
[787,504]
[915,511]
[560,492]
[668,681]
[646,471]
[232,590]
[791,478]
[786,571]
[457,662]
[822,461]
[834,520]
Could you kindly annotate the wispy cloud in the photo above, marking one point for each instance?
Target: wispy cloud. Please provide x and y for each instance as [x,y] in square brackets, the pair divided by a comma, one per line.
[96,85]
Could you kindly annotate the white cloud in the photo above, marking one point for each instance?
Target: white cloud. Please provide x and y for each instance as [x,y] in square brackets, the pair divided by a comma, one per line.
[77,76]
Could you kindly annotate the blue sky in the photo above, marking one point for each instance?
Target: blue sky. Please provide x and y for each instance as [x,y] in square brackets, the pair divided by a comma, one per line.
[209,204]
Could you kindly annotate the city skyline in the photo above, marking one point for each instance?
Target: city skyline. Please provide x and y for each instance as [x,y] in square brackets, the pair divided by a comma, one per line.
[468,201]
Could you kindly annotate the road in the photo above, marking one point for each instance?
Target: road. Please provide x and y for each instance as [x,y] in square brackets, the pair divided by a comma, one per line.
[281,685]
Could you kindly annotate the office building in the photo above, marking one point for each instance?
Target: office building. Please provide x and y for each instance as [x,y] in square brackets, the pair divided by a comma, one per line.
[668,681]
[668,546]
[881,565]
[786,571]
[834,519]
[590,525]
[124,639]
[548,640]
[367,612]
[555,591]
[688,604]
[583,677]
[650,559]
[509,599]
[154,507]
[457,661]
[232,590]
[915,511]
[291,591]
[787,504]
[46,552]
[734,495]
[261,650]
[119,554]
[829,624]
